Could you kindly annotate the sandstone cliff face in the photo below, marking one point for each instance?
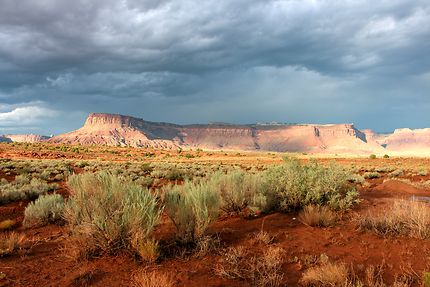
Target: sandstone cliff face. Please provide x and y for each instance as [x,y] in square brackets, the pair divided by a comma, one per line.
[406,140]
[218,137]
[117,130]
[128,131]
[341,138]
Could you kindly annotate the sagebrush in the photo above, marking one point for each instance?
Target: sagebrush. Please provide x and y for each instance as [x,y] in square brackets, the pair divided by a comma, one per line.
[106,214]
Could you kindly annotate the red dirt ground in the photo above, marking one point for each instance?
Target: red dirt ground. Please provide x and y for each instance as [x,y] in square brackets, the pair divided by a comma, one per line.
[43,260]
[44,263]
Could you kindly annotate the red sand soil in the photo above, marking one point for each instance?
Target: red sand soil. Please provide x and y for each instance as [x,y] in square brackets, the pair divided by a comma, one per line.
[43,262]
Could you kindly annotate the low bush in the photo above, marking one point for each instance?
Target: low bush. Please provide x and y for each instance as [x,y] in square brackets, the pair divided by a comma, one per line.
[292,186]
[175,174]
[192,207]
[396,173]
[44,210]
[23,188]
[371,175]
[372,156]
[238,190]
[356,178]
[106,214]
[320,216]
[422,172]
[407,218]
[384,169]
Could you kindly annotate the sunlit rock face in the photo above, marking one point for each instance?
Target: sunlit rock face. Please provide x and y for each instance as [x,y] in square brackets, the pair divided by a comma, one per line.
[408,140]
[119,130]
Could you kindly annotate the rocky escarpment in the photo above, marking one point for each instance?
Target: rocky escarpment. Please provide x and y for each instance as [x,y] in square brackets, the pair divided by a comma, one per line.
[408,140]
[121,130]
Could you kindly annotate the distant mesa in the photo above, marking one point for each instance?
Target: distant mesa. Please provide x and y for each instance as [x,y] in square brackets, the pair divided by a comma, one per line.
[28,138]
[408,141]
[120,130]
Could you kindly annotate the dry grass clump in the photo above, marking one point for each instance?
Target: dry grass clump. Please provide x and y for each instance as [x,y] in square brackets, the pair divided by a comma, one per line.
[231,265]
[192,207]
[258,270]
[206,245]
[407,218]
[7,224]
[333,274]
[263,237]
[152,279]
[320,216]
[266,270]
[44,210]
[10,242]
[373,277]
[328,274]
[106,214]
[426,279]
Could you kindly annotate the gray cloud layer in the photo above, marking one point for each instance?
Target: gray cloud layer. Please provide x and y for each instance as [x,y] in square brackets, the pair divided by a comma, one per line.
[197,61]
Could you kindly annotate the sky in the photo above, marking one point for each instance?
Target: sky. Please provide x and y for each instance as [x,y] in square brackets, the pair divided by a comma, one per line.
[242,61]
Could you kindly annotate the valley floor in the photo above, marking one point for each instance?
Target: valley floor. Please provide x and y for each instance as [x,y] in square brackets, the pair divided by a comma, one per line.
[43,261]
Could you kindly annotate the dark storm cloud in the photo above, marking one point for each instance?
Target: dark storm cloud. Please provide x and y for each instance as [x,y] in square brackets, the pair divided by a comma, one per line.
[199,61]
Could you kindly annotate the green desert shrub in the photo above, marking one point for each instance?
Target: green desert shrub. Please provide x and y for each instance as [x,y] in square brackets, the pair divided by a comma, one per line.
[191,207]
[372,156]
[44,210]
[384,169]
[175,174]
[293,185]
[106,214]
[356,178]
[371,174]
[238,190]
[24,188]
[144,181]
[422,172]
[396,173]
